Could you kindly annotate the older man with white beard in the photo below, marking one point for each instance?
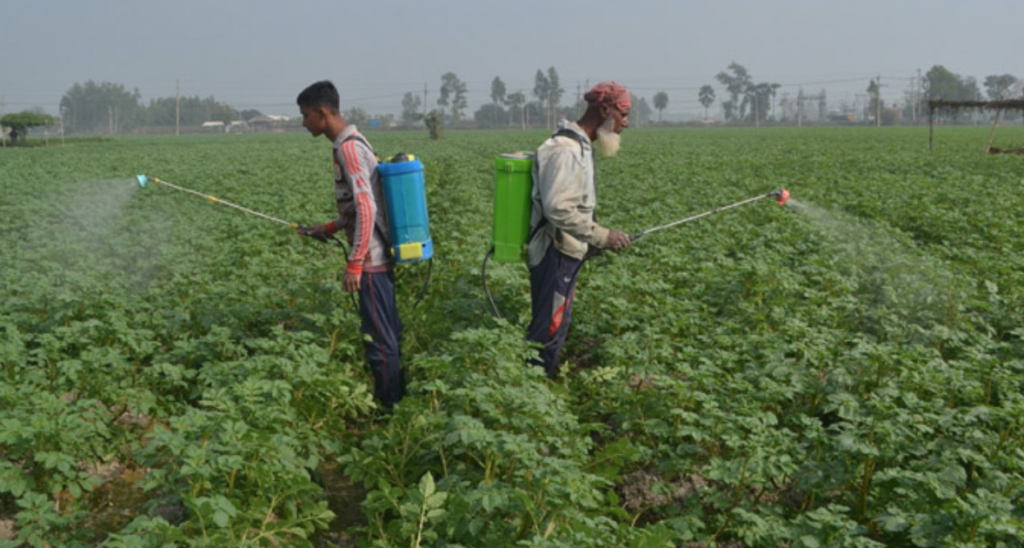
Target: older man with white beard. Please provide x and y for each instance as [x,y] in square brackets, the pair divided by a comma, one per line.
[563,225]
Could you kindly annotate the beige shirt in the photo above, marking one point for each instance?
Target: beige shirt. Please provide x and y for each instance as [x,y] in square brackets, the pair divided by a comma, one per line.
[564,193]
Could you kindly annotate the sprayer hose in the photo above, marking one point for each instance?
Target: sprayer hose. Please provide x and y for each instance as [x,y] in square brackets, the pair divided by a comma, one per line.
[426,283]
[344,250]
[483,278]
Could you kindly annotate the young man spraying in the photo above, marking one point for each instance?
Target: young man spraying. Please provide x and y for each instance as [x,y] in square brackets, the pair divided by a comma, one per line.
[563,226]
[368,270]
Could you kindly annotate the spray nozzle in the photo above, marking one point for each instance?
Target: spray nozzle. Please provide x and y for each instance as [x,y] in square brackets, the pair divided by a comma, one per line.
[142,180]
[781,195]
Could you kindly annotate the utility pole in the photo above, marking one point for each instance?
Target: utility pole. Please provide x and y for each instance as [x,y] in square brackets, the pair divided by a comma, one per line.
[3,136]
[920,95]
[921,92]
[757,115]
[551,108]
[522,109]
[800,108]
[177,107]
[424,102]
[912,99]
[878,102]
[578,100]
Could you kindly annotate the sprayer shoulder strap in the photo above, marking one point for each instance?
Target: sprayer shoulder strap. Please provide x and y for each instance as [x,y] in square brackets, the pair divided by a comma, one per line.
[377,227]
[359,138]
[356,137]
[564,132]
[536,229]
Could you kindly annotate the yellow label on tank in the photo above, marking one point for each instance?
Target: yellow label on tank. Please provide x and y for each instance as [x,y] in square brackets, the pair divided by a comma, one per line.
[413,250]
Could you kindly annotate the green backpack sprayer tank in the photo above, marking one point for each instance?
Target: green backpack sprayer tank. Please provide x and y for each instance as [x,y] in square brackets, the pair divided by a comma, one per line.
[512,187]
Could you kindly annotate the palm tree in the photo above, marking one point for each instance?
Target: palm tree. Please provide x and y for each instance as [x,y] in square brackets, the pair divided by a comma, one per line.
[517,101]
[660,102]
[497,95]
[541,88]
[706,96]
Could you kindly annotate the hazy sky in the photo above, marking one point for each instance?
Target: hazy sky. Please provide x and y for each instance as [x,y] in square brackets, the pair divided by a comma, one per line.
[261,53]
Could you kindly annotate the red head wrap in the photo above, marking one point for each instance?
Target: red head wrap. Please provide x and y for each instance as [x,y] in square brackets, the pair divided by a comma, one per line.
[609,93]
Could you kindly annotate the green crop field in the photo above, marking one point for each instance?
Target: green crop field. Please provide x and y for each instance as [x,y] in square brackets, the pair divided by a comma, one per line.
[844,371]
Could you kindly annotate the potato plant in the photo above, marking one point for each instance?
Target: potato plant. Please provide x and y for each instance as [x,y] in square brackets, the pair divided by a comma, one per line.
[843,371]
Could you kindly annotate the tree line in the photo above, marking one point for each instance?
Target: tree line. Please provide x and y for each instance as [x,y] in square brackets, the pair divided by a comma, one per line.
[753,102]
[106,107]
[109,108]
[541,106]
[745,100]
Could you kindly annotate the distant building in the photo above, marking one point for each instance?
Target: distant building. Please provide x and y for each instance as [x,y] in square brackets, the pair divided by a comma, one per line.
[213,127]
[267,123]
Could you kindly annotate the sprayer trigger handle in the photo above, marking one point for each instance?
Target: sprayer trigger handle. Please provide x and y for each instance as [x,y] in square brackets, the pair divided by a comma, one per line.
[306,231]
[635,236]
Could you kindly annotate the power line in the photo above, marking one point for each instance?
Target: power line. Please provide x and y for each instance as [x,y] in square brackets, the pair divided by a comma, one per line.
[386,96]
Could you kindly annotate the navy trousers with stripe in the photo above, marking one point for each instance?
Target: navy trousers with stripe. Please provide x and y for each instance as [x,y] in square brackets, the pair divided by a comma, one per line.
[379,312]
[552,285]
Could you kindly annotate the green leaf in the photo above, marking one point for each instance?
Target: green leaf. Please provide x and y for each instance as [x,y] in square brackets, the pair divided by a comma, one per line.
[427,485]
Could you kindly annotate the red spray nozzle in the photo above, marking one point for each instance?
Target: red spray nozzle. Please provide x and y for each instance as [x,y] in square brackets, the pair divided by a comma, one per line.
[781,195]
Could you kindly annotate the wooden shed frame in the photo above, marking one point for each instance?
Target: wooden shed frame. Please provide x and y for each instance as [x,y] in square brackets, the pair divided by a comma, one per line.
[952,106]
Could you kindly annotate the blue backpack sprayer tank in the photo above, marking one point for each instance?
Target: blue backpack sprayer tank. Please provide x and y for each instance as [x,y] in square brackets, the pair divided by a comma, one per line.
[405,197]
[405,192]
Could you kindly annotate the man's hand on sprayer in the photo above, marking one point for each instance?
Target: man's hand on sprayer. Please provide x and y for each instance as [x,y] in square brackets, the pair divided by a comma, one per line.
[318,232]
[617,240]
[350,283]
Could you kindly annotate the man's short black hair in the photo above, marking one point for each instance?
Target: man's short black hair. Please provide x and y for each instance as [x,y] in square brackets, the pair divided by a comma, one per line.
[320,94]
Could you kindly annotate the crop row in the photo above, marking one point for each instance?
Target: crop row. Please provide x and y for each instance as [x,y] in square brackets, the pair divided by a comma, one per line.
[843,371]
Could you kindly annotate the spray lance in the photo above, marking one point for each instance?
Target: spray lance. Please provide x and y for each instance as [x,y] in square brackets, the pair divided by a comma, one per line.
[408,221]
[511,229]
[143,179]
[781,196]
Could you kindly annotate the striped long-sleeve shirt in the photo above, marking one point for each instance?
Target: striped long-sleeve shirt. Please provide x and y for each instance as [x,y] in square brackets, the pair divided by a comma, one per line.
[360,197]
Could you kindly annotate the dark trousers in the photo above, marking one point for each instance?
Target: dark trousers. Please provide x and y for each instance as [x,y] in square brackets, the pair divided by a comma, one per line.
[552,287]
[379,312]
